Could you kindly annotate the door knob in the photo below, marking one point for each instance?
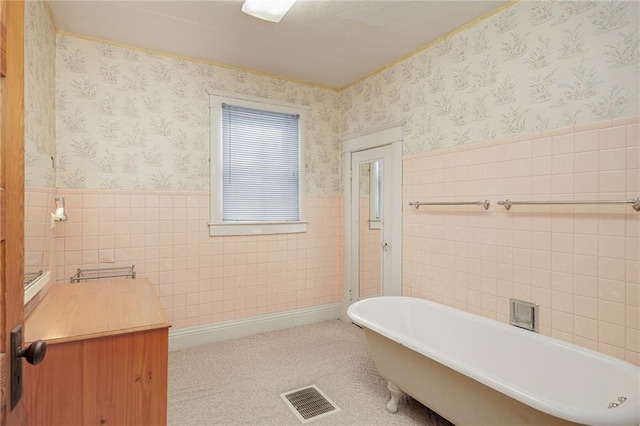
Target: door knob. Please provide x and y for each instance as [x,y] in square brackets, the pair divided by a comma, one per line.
[35,353]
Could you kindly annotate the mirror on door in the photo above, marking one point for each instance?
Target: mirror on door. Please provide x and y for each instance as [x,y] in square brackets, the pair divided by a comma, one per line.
[370,228]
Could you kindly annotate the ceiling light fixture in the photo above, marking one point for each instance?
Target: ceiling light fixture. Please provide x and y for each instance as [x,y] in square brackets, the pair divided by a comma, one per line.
[269,10]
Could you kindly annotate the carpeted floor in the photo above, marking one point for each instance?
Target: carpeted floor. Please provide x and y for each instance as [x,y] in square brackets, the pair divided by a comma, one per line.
[239,382]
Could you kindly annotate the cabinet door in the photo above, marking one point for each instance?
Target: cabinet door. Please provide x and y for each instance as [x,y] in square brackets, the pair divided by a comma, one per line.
[53,388]
[113,380]
[126,379]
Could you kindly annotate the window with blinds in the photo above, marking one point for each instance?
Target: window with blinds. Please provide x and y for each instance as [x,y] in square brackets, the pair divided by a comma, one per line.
[257,177]
[260,170]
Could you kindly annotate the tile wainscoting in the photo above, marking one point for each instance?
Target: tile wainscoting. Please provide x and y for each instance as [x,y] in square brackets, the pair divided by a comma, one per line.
[581,264]
[202,279]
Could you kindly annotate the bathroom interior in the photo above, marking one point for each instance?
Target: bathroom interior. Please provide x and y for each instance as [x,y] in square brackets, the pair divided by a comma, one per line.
[524,100]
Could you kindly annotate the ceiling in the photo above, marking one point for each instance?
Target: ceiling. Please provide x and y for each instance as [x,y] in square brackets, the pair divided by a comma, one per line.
[328,43]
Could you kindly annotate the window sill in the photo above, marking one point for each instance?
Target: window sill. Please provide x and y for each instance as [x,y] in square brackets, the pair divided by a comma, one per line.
[256,228]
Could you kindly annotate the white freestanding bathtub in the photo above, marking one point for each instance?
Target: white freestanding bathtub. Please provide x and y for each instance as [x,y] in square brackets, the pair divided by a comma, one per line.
[474,370]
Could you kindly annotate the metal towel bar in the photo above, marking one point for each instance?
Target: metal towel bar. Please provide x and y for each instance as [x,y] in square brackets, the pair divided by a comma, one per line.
[103,273]
[635,202]
[485,203]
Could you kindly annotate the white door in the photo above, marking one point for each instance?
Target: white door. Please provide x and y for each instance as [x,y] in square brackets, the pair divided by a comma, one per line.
[372,215]
[371,224]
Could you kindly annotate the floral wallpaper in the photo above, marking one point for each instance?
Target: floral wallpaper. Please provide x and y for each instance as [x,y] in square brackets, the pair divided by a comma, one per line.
[530,67]
[128,119]
[39,92]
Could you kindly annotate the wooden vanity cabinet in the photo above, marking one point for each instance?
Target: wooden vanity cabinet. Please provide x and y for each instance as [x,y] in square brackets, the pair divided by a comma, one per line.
[107,354]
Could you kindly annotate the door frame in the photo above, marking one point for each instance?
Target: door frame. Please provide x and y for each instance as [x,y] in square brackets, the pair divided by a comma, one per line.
[12,203]
[389,135]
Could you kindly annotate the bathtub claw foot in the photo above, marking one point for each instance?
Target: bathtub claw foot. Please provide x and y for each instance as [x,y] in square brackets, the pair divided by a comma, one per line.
[396,394]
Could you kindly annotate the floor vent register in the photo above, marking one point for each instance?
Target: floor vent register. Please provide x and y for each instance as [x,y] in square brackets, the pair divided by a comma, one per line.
[309,403]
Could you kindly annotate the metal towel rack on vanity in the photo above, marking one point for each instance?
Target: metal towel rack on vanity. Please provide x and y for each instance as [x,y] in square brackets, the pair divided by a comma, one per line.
[485,203]
[635,203]
[104,273]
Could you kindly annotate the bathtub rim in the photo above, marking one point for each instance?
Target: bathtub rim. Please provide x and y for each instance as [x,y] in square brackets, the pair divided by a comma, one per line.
[625,414]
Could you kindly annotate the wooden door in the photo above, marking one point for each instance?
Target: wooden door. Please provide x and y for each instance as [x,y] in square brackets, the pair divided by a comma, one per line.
[11,195]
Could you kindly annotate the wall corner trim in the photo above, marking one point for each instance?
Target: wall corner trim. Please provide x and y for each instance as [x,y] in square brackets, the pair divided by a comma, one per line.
[202,334]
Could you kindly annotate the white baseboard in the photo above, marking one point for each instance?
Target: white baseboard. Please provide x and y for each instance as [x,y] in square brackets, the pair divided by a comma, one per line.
[202,334]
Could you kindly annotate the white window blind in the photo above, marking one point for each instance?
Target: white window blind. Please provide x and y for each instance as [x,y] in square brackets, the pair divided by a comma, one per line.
[260,165]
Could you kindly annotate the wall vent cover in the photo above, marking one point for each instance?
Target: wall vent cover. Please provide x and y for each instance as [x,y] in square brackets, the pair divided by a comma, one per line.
[309,403]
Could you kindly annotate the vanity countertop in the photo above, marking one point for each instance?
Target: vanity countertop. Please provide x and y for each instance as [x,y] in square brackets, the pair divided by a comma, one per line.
[71,312]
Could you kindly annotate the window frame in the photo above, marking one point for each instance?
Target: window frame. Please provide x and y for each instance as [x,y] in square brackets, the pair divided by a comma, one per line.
[218,226]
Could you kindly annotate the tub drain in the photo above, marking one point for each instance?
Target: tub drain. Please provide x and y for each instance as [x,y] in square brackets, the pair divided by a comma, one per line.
[309,403]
